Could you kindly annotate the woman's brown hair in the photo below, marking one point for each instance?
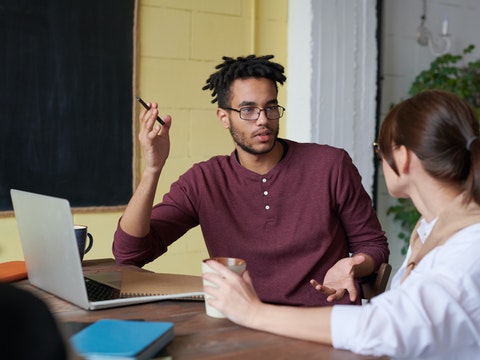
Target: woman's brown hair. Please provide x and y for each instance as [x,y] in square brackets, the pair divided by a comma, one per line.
[442,130]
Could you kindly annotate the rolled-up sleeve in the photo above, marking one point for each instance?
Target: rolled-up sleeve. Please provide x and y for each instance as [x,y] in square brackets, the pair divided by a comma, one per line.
[344,320]
[431,315]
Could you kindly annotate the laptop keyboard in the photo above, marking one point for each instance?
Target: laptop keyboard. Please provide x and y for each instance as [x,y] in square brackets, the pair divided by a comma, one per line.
[97,291]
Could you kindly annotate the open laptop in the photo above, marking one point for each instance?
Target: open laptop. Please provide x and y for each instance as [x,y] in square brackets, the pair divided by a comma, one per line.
[50,250]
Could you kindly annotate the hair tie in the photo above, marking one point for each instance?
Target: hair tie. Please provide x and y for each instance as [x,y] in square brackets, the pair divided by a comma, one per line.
[470,141]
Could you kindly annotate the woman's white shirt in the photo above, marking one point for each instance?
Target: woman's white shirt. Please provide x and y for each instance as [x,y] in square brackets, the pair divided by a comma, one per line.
[423,230]
[433,314]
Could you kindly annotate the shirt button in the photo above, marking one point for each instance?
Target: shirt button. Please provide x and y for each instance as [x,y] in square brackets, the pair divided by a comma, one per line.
[264,180]
[267,207]
[265,193]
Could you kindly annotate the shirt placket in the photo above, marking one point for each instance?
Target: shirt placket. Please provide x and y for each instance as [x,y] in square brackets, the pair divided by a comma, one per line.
[267,198]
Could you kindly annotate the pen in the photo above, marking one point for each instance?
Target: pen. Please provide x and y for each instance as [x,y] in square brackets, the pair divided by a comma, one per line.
[144,104]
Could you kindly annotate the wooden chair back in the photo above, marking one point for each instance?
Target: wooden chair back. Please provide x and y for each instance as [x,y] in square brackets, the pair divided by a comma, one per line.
[376,283]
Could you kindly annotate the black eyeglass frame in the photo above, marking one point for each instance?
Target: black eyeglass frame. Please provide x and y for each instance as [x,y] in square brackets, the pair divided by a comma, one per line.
[377,150]
[279,108]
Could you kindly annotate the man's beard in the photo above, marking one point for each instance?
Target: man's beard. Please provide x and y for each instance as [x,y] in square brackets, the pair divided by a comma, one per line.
[240,141]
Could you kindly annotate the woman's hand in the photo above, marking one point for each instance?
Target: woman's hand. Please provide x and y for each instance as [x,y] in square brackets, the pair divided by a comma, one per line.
[236,298]
[234,295]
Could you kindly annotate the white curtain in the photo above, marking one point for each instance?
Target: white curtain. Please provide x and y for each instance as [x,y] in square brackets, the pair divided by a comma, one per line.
[332,69]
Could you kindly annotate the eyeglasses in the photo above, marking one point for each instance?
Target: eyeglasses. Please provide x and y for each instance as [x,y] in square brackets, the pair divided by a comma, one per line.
[377,150]
[252,113]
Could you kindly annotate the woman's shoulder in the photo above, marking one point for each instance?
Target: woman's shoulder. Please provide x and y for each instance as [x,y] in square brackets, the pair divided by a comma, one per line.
[462,250]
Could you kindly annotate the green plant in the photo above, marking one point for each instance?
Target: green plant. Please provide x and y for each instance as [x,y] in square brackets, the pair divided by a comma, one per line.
[451,73]
[407,215]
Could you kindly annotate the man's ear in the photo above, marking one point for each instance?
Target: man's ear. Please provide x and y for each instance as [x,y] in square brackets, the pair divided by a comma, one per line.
[402,159]
[223,117]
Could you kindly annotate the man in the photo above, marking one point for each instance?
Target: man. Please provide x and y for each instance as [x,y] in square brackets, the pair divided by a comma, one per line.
[293,211]
[429,149]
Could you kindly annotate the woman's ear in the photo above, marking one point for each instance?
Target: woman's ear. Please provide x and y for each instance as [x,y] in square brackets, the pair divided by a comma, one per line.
[402,159]
[223,117]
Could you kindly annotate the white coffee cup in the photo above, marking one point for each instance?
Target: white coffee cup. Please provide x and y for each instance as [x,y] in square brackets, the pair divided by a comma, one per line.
[236,265]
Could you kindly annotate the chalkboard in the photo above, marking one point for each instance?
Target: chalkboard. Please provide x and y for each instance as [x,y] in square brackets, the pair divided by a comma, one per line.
[66,70]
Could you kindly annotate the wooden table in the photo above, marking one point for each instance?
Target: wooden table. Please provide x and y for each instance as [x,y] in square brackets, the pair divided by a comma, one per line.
[197,336]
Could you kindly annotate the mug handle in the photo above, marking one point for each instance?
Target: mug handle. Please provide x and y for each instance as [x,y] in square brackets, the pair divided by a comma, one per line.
[90,243]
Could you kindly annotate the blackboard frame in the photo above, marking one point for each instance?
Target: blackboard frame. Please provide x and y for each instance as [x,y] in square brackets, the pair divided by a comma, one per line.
[68,119]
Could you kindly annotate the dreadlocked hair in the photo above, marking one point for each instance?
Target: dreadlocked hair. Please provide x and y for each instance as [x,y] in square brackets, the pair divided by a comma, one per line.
[241,68]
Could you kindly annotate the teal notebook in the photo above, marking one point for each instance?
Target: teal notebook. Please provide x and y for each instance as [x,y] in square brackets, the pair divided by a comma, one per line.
[122,339]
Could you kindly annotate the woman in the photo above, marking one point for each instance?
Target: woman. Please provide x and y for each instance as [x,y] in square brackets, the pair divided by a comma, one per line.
[430,151]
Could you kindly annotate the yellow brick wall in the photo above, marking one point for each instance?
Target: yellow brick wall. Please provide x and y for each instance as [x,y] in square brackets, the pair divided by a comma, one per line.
[179,44]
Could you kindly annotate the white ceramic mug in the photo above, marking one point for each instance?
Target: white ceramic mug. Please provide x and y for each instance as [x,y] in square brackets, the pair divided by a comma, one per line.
[237,265]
